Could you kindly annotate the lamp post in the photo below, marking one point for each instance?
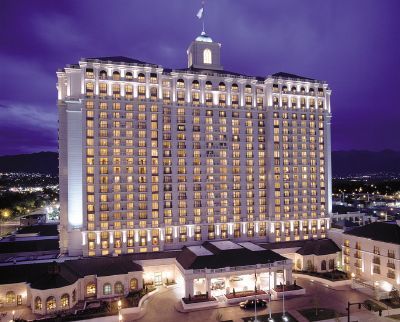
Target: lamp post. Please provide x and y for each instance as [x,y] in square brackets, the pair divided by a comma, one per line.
[13,314]
[119,310]
[269,292]
[284,317]
[255,294]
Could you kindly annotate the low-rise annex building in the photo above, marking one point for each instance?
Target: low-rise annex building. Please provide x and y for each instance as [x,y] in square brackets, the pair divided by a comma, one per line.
[371,254]
[213,267]
[320,255]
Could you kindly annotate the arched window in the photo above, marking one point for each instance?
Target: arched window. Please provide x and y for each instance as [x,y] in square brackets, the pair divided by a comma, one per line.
[222,86]
[51,303]
[10,297]
[133,284]
[107,289]
[103,74]
[118,288]
[293,89]
[90,289]
[38,303]
[116,75]
[141,78]
[323,265]
[65,301]
[247,89]
[235,87]
[208,85]
[128,76]
[180,83]
[332,264]
[207,59]
[195,84]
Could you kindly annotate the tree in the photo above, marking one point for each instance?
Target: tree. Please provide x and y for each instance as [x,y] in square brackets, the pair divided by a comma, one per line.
[394,296]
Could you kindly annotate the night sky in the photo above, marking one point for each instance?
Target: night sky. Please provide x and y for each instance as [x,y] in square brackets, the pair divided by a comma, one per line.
[353,45]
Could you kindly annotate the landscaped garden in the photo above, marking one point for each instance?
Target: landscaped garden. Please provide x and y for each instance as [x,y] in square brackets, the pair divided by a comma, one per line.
[198,298]
[333,276]
[287,288]
[318,314]
[235,294]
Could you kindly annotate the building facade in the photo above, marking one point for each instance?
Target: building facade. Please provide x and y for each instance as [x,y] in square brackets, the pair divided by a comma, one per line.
[153,159]
[371,254]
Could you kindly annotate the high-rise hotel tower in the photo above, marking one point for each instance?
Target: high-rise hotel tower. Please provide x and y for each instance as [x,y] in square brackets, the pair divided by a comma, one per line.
[154,158]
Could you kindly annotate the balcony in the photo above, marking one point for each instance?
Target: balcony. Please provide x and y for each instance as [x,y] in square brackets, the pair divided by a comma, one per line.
[376,260]
[391,274]
[391,265]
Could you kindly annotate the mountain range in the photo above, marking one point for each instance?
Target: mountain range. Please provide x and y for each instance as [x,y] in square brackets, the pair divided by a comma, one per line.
[343,162]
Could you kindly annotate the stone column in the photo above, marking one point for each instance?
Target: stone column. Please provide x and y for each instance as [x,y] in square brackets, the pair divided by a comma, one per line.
[188,287]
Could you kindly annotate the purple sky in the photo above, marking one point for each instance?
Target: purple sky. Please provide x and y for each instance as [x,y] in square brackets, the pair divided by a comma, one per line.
[353,45]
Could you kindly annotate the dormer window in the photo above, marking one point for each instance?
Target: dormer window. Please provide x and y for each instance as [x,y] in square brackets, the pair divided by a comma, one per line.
[207,59]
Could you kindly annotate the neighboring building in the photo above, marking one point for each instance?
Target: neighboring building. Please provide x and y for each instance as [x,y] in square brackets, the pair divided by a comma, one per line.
[32,219]
[37,242]
[154,159]
[371,253]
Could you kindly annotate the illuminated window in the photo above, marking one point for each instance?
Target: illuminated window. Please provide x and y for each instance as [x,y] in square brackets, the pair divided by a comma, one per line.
[51,303]
[90,289]
[107,289]
[65,301]
[118,288]
[10,297]
[133,284]
[207,56]
[38,303]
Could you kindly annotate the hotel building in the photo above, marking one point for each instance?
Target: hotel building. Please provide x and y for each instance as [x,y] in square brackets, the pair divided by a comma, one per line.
[152,159]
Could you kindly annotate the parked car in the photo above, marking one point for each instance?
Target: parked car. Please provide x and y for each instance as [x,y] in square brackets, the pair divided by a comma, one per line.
[249,304]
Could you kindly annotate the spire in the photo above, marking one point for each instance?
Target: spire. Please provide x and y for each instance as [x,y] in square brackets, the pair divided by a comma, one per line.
[200,15]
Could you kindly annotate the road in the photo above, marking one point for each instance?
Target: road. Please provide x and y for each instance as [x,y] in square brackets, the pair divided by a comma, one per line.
[161,307]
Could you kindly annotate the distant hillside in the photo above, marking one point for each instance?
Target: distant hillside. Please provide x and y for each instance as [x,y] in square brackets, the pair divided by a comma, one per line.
[42,162]
[343,162]
[365,162]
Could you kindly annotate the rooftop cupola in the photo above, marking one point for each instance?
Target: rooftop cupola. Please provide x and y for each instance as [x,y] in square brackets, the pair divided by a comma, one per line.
[204,53]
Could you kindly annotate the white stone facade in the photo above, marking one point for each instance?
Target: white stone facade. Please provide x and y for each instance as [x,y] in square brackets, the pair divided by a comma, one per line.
[152,159]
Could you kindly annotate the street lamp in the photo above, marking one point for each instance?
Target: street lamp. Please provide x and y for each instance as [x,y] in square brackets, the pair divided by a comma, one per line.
[13,314]
[119,310]
[269,292]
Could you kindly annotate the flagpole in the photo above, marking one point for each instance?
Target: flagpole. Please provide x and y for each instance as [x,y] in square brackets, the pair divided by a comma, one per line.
[202,16]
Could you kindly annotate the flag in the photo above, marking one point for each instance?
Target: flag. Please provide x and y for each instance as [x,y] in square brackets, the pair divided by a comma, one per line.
[200,13]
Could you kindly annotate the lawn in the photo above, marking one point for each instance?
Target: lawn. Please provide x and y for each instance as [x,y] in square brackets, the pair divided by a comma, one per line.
[390,303]
[371,305]
[322,314]
[394,317]
[277,317]
[335,275]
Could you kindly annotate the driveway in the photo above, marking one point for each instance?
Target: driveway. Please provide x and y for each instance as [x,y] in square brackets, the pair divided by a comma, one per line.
[161,307]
